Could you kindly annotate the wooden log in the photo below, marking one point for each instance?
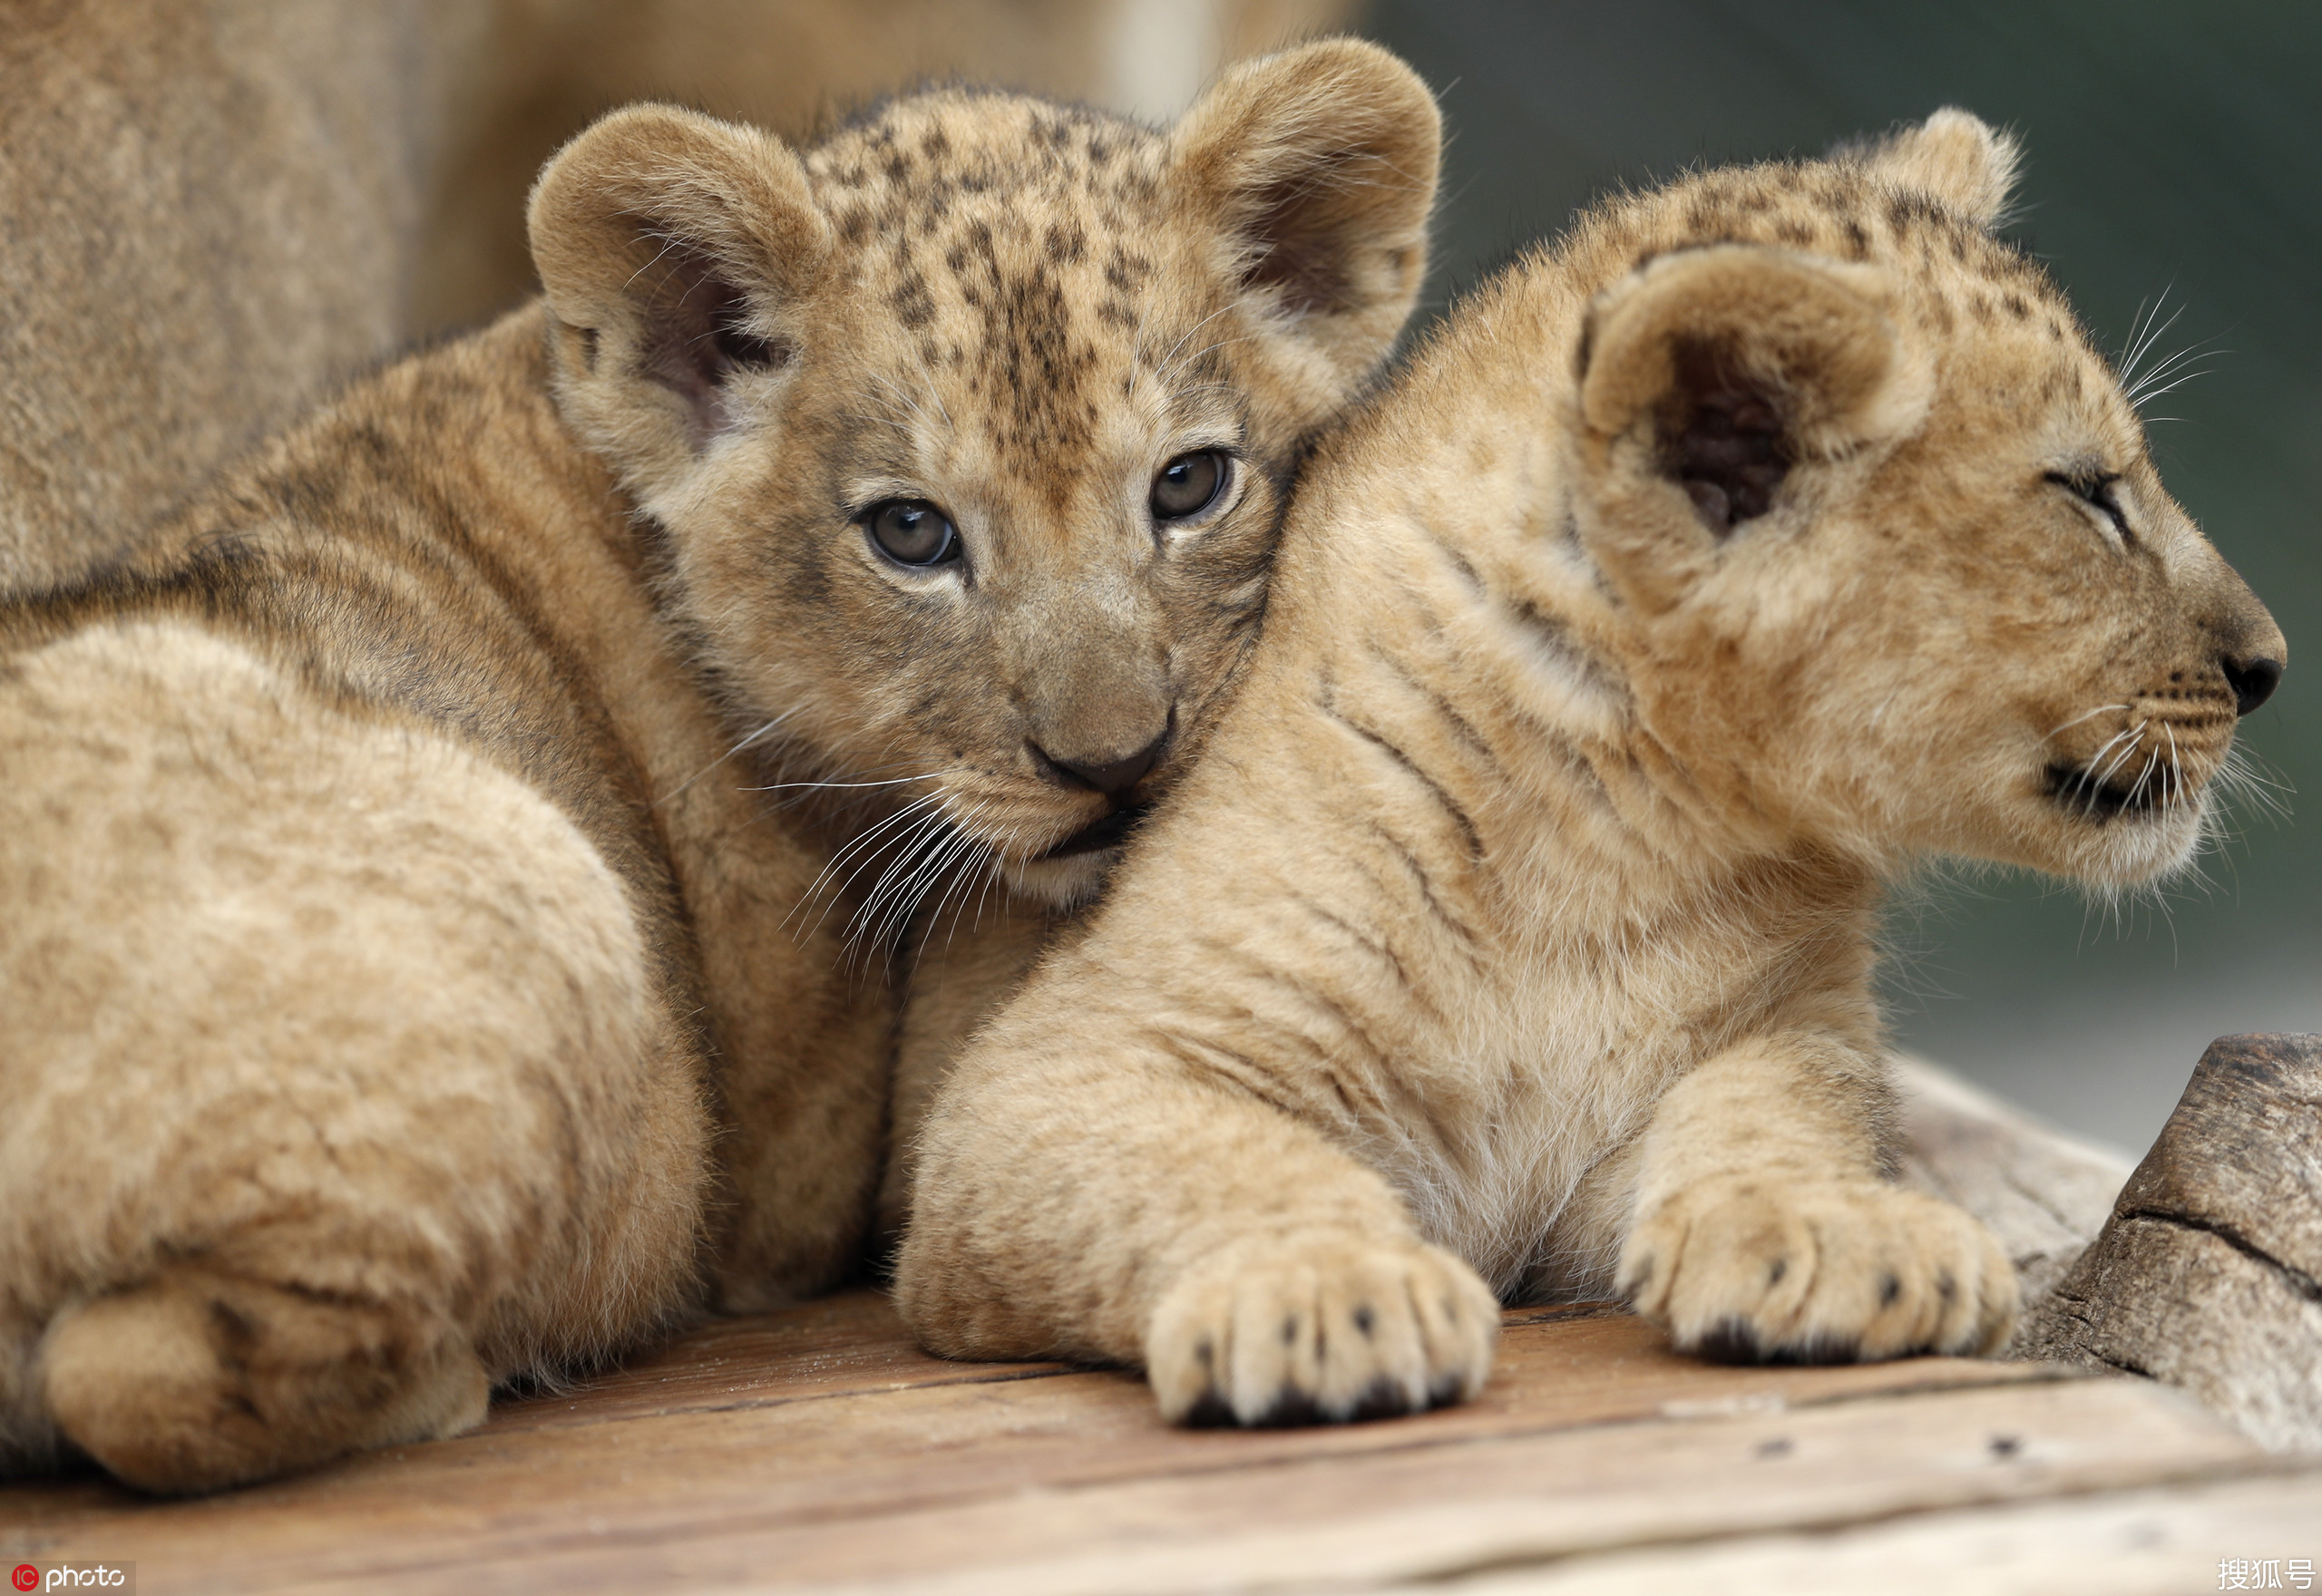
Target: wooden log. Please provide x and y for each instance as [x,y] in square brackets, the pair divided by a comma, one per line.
[2044,1194]
[2209,1274]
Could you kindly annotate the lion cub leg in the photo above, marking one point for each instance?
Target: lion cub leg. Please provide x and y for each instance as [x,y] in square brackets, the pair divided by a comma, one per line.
[1118,1206]
[956,984]
[1764,1230]
[202,1378]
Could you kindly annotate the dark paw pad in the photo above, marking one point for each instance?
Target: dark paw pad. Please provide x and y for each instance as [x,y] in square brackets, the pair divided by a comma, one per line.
[1729,1341]
[1210,1411]
[1292,1409]
[1382,1399]
[1819,1351]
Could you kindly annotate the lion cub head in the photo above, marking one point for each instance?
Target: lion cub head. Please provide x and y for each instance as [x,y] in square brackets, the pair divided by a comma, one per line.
[969,429]
[1894,565]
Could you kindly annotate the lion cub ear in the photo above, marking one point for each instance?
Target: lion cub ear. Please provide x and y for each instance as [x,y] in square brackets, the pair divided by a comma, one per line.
[1316,170]
[675,250]
[1715,384]
[1954,156]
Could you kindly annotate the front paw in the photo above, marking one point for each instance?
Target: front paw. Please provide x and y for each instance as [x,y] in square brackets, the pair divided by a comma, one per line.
[1757,1269]
[1319,1328]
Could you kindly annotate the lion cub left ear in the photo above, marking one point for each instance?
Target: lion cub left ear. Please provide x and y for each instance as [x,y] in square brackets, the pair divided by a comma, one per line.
[1314,170]
[675,250]
[1715,384]
[1954,156]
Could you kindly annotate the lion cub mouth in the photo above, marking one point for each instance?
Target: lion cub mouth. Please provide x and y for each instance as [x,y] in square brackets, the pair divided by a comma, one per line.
[2146,790]
[1105,832]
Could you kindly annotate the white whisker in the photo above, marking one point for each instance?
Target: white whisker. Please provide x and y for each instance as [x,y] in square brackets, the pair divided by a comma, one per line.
[2092,714]
[829,786]
[749,741]
[862,844]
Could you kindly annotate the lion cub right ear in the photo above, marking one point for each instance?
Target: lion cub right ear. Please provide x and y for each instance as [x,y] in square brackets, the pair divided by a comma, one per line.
[1313,171]
[675,250]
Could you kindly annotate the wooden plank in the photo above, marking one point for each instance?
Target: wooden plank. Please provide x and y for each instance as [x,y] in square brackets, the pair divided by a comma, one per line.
[2124,1543]
[1430,1514]
[848,1342]
[856,1343]
[709,1459]
[836,1346]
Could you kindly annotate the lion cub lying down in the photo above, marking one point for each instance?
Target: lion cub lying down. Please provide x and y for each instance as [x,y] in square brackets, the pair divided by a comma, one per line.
[405,973]
[1515,936]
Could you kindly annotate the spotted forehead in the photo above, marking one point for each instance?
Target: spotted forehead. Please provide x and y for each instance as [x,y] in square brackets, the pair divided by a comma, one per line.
[1961,279]
[1841,209]
[1023,249]
[917,157]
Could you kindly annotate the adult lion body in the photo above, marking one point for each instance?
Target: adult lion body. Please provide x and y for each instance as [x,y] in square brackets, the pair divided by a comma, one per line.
[1515,936]
[214,208]
[220,209]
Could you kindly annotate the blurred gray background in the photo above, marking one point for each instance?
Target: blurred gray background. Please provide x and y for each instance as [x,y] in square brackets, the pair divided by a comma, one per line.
[2173,150]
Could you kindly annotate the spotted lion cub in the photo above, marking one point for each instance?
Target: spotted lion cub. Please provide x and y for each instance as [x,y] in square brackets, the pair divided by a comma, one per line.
[1515,936]
[405,976]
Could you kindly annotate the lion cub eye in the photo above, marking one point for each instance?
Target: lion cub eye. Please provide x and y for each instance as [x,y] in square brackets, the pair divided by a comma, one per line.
[1188,485]
[911,531]
[2094,489]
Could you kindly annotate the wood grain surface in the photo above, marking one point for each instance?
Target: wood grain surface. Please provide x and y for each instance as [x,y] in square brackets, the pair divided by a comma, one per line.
[818,1449]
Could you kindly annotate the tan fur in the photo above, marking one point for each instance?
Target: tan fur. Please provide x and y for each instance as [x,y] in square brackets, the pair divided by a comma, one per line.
[1515,936]
[416,973]
[213,209]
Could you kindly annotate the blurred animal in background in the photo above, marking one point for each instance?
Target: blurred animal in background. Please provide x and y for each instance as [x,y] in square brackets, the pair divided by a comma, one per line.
[218,209]
[791,66]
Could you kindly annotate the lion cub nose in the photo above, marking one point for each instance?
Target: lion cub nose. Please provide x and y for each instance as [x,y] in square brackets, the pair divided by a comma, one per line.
[1108,776]
[2253,681]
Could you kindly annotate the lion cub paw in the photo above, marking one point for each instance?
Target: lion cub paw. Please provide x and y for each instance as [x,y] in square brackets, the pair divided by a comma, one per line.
[199,1380]
[1319,1328]
[1760,1270]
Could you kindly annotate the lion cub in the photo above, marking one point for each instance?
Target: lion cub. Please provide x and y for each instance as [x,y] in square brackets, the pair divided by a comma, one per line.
[1515,936]
[414,965]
